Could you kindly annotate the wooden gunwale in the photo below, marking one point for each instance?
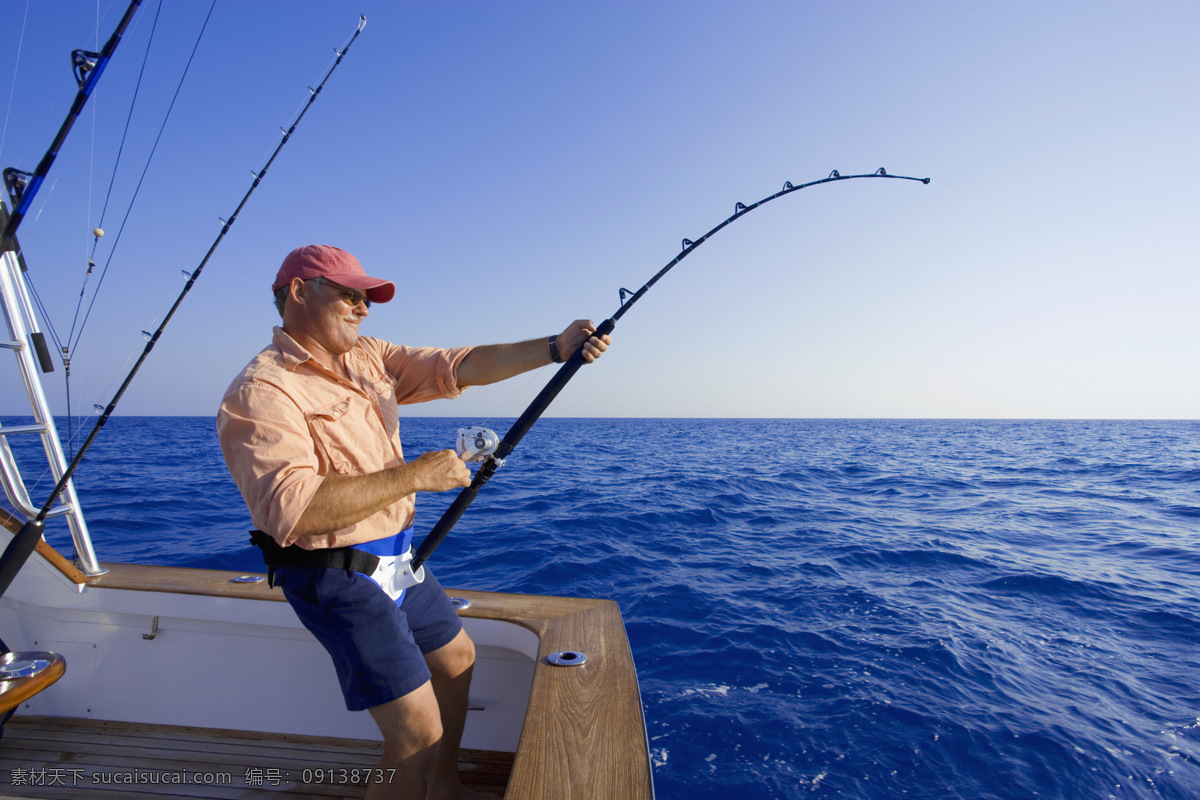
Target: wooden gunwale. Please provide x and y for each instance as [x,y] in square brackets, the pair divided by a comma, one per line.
[584,735]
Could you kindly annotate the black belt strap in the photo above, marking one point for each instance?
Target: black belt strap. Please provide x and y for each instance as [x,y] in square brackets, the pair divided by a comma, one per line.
[346,558]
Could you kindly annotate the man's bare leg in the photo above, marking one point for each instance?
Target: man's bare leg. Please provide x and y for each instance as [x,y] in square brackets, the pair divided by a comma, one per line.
[412,732]
[451,668]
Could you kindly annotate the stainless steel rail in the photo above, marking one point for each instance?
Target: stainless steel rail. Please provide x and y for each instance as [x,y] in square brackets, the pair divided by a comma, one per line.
[22,324]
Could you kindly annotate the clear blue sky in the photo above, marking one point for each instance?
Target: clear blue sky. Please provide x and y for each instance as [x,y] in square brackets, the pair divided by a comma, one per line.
[513,164]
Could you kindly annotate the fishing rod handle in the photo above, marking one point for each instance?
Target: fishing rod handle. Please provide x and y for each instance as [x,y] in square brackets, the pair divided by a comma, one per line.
[453,513]
[18,551]
[511,439]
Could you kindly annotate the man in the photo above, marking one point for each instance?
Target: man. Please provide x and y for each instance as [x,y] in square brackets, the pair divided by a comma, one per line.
[309,432]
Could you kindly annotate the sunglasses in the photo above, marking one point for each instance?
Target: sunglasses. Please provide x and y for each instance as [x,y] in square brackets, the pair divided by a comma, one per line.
[351,296]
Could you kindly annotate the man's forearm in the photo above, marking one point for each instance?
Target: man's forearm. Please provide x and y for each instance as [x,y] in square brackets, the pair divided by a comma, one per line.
[343,500]
[491,363]
[496,362]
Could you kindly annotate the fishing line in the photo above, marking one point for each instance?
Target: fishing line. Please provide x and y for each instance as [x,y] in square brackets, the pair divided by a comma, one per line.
[48,321]
[533,374]
[23,186]
[98,408]
[125,133]
[495,460]
[24,543]
[42,308]
[12,92]
[104,272]
[92,151]
[67,351]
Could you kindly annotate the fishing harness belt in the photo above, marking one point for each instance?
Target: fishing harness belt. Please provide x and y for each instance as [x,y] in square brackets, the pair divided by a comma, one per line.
[346,558]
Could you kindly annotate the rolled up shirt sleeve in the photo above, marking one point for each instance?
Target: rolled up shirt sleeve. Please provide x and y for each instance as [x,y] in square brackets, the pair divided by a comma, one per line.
[271,456]
[421,373]
[285,422]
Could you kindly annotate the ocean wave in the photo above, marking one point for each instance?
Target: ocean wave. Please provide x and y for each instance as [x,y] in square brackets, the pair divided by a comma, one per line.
[959,609]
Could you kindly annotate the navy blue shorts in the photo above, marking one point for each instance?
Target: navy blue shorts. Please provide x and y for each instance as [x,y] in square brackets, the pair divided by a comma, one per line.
[377,647]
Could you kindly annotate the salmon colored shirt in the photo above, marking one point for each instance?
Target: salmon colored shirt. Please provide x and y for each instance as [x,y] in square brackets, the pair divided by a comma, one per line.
[286,422]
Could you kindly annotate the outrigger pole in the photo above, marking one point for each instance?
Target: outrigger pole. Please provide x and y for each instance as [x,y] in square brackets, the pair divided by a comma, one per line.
[25,542]
[568,370]
[88,67]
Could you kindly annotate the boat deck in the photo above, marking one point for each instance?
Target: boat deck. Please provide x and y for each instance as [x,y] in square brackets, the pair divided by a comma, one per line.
[583,735]
[52,757]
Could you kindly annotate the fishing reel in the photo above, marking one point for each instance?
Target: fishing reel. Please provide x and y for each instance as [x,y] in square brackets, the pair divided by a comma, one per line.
[476,444]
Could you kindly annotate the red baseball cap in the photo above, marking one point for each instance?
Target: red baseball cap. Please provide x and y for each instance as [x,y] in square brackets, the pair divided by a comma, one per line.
[322,260]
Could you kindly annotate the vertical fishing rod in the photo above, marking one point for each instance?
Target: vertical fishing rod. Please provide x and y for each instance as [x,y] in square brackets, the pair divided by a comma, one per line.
[24,543]
[568,370]
[88,67]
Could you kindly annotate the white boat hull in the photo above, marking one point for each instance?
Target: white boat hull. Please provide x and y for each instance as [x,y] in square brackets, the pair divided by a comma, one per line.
[225,662]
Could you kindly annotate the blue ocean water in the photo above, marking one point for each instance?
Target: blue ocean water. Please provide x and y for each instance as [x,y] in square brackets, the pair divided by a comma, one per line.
[868,609]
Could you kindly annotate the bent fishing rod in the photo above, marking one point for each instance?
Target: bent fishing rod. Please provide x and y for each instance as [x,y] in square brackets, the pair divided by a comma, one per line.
[495,457]
[24,543]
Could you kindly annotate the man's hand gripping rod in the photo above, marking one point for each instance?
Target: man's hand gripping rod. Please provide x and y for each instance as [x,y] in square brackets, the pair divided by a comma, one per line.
[568,370]
[507,444]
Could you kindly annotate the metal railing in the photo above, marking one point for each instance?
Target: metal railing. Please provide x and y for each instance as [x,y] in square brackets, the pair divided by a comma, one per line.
[22,325]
